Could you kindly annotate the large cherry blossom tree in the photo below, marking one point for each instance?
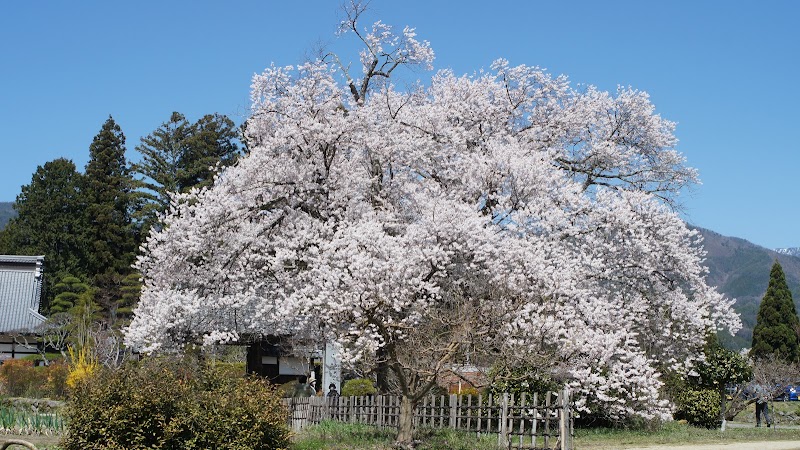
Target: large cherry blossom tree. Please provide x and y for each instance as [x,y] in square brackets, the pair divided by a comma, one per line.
[505,216]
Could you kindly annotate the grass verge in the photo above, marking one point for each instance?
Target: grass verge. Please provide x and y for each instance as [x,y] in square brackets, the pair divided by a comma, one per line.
[353,436]
[341,436]
[674,433]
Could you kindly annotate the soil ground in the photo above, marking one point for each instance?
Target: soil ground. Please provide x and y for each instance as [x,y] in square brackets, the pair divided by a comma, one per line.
[41,442]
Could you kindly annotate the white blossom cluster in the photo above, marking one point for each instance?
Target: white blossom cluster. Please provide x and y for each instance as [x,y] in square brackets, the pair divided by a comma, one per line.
[357,218]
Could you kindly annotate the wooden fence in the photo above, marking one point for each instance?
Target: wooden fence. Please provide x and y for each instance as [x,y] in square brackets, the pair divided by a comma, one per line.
[520,423]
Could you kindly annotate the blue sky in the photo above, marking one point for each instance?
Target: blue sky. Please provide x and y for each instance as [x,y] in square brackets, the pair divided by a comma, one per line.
[727,72]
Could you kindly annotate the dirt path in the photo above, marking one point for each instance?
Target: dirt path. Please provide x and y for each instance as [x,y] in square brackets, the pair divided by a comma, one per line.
[41,442]
[764,445]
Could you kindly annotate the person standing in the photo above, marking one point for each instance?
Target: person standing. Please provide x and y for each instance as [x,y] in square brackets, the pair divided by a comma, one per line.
[762,406]
[332,392]
[303,389]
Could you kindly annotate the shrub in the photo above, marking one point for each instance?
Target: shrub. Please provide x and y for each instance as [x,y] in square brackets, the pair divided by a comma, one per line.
[173,404]
[358,387]
[700,407]
[231,369]
[55,385]
[20,378]
[82,365]
[466,391]
[521,380]
[17,375]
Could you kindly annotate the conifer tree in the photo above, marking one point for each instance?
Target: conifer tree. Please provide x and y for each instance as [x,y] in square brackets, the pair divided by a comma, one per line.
[777,325]
[213,142]
[160,167]
[50,222]
[110,233]
[179,156]
[67,292]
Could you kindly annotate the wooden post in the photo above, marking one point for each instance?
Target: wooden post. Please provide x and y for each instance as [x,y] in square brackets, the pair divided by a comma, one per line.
[440,411]
[502,436]
[380,411]
[423,419]
[469,412]
[480,412]
[452,419]
[521,439]
[535,419]
[722,407]
[548,408]
[565,428]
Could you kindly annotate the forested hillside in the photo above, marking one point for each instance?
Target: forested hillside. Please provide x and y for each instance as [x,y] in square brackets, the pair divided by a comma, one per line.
[740,269]
[6,213]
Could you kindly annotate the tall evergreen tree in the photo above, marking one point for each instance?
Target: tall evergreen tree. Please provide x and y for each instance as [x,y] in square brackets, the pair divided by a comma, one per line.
[777,325]
[50,222]
[213,142]
[179,156]
[110,233]
[161,168]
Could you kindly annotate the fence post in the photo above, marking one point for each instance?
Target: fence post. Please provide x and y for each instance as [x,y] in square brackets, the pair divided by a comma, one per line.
[452,421]
[380,411]
[565,430]
[502,436]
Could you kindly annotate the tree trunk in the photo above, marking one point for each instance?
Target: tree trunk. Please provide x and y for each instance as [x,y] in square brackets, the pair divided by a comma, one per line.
[722,395]
[382,372]
[405,434]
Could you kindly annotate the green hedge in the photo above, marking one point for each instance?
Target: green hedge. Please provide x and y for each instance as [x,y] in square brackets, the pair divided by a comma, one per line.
[700,407]
[174,404]
[358,387]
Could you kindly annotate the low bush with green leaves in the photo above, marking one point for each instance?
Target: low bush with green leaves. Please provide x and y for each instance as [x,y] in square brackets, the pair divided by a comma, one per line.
[358,387]
[699,407]
[169,403]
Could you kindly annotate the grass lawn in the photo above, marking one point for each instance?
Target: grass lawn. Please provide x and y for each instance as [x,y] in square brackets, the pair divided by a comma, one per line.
[347,436]
[783,413]
[339,436]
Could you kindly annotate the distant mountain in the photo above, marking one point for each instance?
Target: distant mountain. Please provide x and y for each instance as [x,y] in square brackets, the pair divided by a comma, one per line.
[791,251]
[6,213]
[740,270]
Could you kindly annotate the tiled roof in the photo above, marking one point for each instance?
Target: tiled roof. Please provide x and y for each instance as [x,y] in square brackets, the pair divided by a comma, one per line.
[20,292]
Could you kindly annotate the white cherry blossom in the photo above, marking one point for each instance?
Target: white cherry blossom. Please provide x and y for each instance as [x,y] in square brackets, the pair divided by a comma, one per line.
[504,214]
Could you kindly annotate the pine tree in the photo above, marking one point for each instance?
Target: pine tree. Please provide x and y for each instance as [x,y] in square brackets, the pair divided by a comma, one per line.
[213,142]
[67,293]
[110,232]
[50,222]
[131,289]
[160,167]
[777,325]
[179,156]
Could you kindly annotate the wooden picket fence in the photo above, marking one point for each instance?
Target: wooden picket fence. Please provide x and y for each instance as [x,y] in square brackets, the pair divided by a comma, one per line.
[526,422]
